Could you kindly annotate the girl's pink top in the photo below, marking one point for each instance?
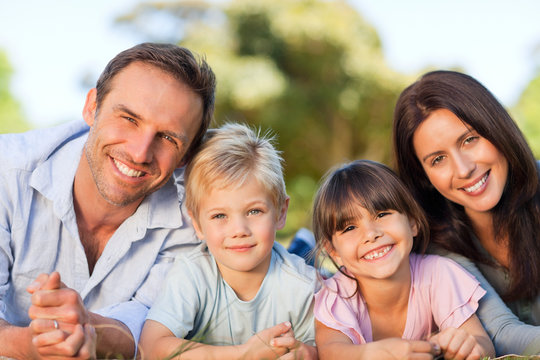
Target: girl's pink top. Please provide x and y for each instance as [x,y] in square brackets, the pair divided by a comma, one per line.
[442,295]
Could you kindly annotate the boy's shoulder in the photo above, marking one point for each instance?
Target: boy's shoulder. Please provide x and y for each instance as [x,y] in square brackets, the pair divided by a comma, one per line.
[293,266]
[196,261]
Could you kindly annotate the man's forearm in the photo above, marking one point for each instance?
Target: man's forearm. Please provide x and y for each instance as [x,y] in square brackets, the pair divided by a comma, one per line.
[16,341]
[113,337]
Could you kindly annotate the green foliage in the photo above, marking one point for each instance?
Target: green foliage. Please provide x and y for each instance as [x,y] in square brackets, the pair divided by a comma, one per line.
[527,114]
[311,70]
[11,118]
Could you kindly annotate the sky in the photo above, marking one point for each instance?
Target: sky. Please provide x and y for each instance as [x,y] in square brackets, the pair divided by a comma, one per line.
[53,44]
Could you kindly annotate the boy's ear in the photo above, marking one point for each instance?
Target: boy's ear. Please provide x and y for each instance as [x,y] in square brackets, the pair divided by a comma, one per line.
[90,105]
[196,226]
[282,219]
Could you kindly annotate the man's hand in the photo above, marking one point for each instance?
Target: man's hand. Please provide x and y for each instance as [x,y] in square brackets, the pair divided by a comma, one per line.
[60,322]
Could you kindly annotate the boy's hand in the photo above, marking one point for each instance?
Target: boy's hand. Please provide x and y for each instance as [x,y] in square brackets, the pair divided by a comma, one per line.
[295,349]
[458,344]
[259,345]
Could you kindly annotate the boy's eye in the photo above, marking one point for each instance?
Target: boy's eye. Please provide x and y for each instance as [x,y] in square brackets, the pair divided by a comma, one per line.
[218,216]
[254,211]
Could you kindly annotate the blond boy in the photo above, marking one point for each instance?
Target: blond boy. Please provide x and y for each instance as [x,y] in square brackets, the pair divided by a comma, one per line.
[240,295]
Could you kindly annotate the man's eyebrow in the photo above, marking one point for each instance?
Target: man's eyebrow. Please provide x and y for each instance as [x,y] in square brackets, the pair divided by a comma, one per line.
[122,108]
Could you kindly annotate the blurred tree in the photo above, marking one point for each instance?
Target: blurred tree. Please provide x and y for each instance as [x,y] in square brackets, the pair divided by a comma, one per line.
[527,114]
[311,70]
[11,118]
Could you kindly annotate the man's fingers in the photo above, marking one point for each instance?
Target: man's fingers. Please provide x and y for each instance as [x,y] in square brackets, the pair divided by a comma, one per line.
[69,347]
[42,325]
[49,338]
[88,350]
[37,283]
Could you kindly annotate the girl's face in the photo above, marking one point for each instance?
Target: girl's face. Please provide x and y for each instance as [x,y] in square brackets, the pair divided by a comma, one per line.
[375,246]
[462,165]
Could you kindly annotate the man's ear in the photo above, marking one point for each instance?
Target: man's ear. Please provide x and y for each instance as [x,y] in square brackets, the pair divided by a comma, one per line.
[90,106]
[196,226]
[282,219]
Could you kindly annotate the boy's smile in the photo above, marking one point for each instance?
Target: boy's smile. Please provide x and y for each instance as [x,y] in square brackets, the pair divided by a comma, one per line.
[239,225]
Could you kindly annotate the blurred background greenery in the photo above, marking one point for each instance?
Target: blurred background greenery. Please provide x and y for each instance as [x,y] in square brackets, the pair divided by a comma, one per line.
[311,71]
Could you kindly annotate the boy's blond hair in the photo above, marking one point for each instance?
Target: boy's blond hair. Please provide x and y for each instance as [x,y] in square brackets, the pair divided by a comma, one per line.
[229,156]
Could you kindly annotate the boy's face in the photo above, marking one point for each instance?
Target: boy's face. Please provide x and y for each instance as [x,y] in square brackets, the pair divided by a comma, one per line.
[239,226]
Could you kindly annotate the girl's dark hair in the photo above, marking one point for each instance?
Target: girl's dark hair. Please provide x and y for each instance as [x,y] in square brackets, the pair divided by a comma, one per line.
[517,215]
[370,185]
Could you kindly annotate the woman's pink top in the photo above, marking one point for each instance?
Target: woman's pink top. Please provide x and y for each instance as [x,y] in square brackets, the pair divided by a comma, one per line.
[442,295]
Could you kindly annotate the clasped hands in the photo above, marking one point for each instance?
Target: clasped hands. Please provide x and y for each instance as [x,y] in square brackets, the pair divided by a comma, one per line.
[60,323]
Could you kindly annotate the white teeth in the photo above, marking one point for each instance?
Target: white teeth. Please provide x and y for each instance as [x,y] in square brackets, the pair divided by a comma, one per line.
[477,185]
[378,254]
[124,169]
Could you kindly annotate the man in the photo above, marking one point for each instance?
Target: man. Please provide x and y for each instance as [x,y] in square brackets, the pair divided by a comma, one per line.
[89,215]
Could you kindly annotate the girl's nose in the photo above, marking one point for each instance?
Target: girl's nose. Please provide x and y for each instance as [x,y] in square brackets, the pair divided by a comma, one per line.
[372,231]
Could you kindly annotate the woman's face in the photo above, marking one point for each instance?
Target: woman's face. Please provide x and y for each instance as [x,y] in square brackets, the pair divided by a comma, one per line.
[462,165]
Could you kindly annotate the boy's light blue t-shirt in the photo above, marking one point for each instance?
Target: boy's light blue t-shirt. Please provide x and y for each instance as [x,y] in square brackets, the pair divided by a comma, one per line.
[197,304]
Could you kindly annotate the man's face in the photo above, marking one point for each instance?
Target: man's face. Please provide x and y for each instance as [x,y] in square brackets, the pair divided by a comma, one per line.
[141,132]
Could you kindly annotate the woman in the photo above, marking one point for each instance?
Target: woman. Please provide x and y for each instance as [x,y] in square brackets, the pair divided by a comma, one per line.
[470,167]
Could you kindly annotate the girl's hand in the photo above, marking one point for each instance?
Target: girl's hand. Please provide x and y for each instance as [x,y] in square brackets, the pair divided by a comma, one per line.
[458,344]
[295,349]
[398,349]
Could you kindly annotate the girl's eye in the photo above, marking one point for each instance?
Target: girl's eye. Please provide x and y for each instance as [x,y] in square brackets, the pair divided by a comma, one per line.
[218,216]
[348,228]
[382,214]
[254,211]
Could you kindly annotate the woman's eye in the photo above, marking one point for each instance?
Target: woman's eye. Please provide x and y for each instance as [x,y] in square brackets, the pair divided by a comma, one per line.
[470,139]
[437,159]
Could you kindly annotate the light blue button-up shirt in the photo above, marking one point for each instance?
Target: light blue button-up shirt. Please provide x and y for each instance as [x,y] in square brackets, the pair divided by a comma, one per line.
[38,232]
